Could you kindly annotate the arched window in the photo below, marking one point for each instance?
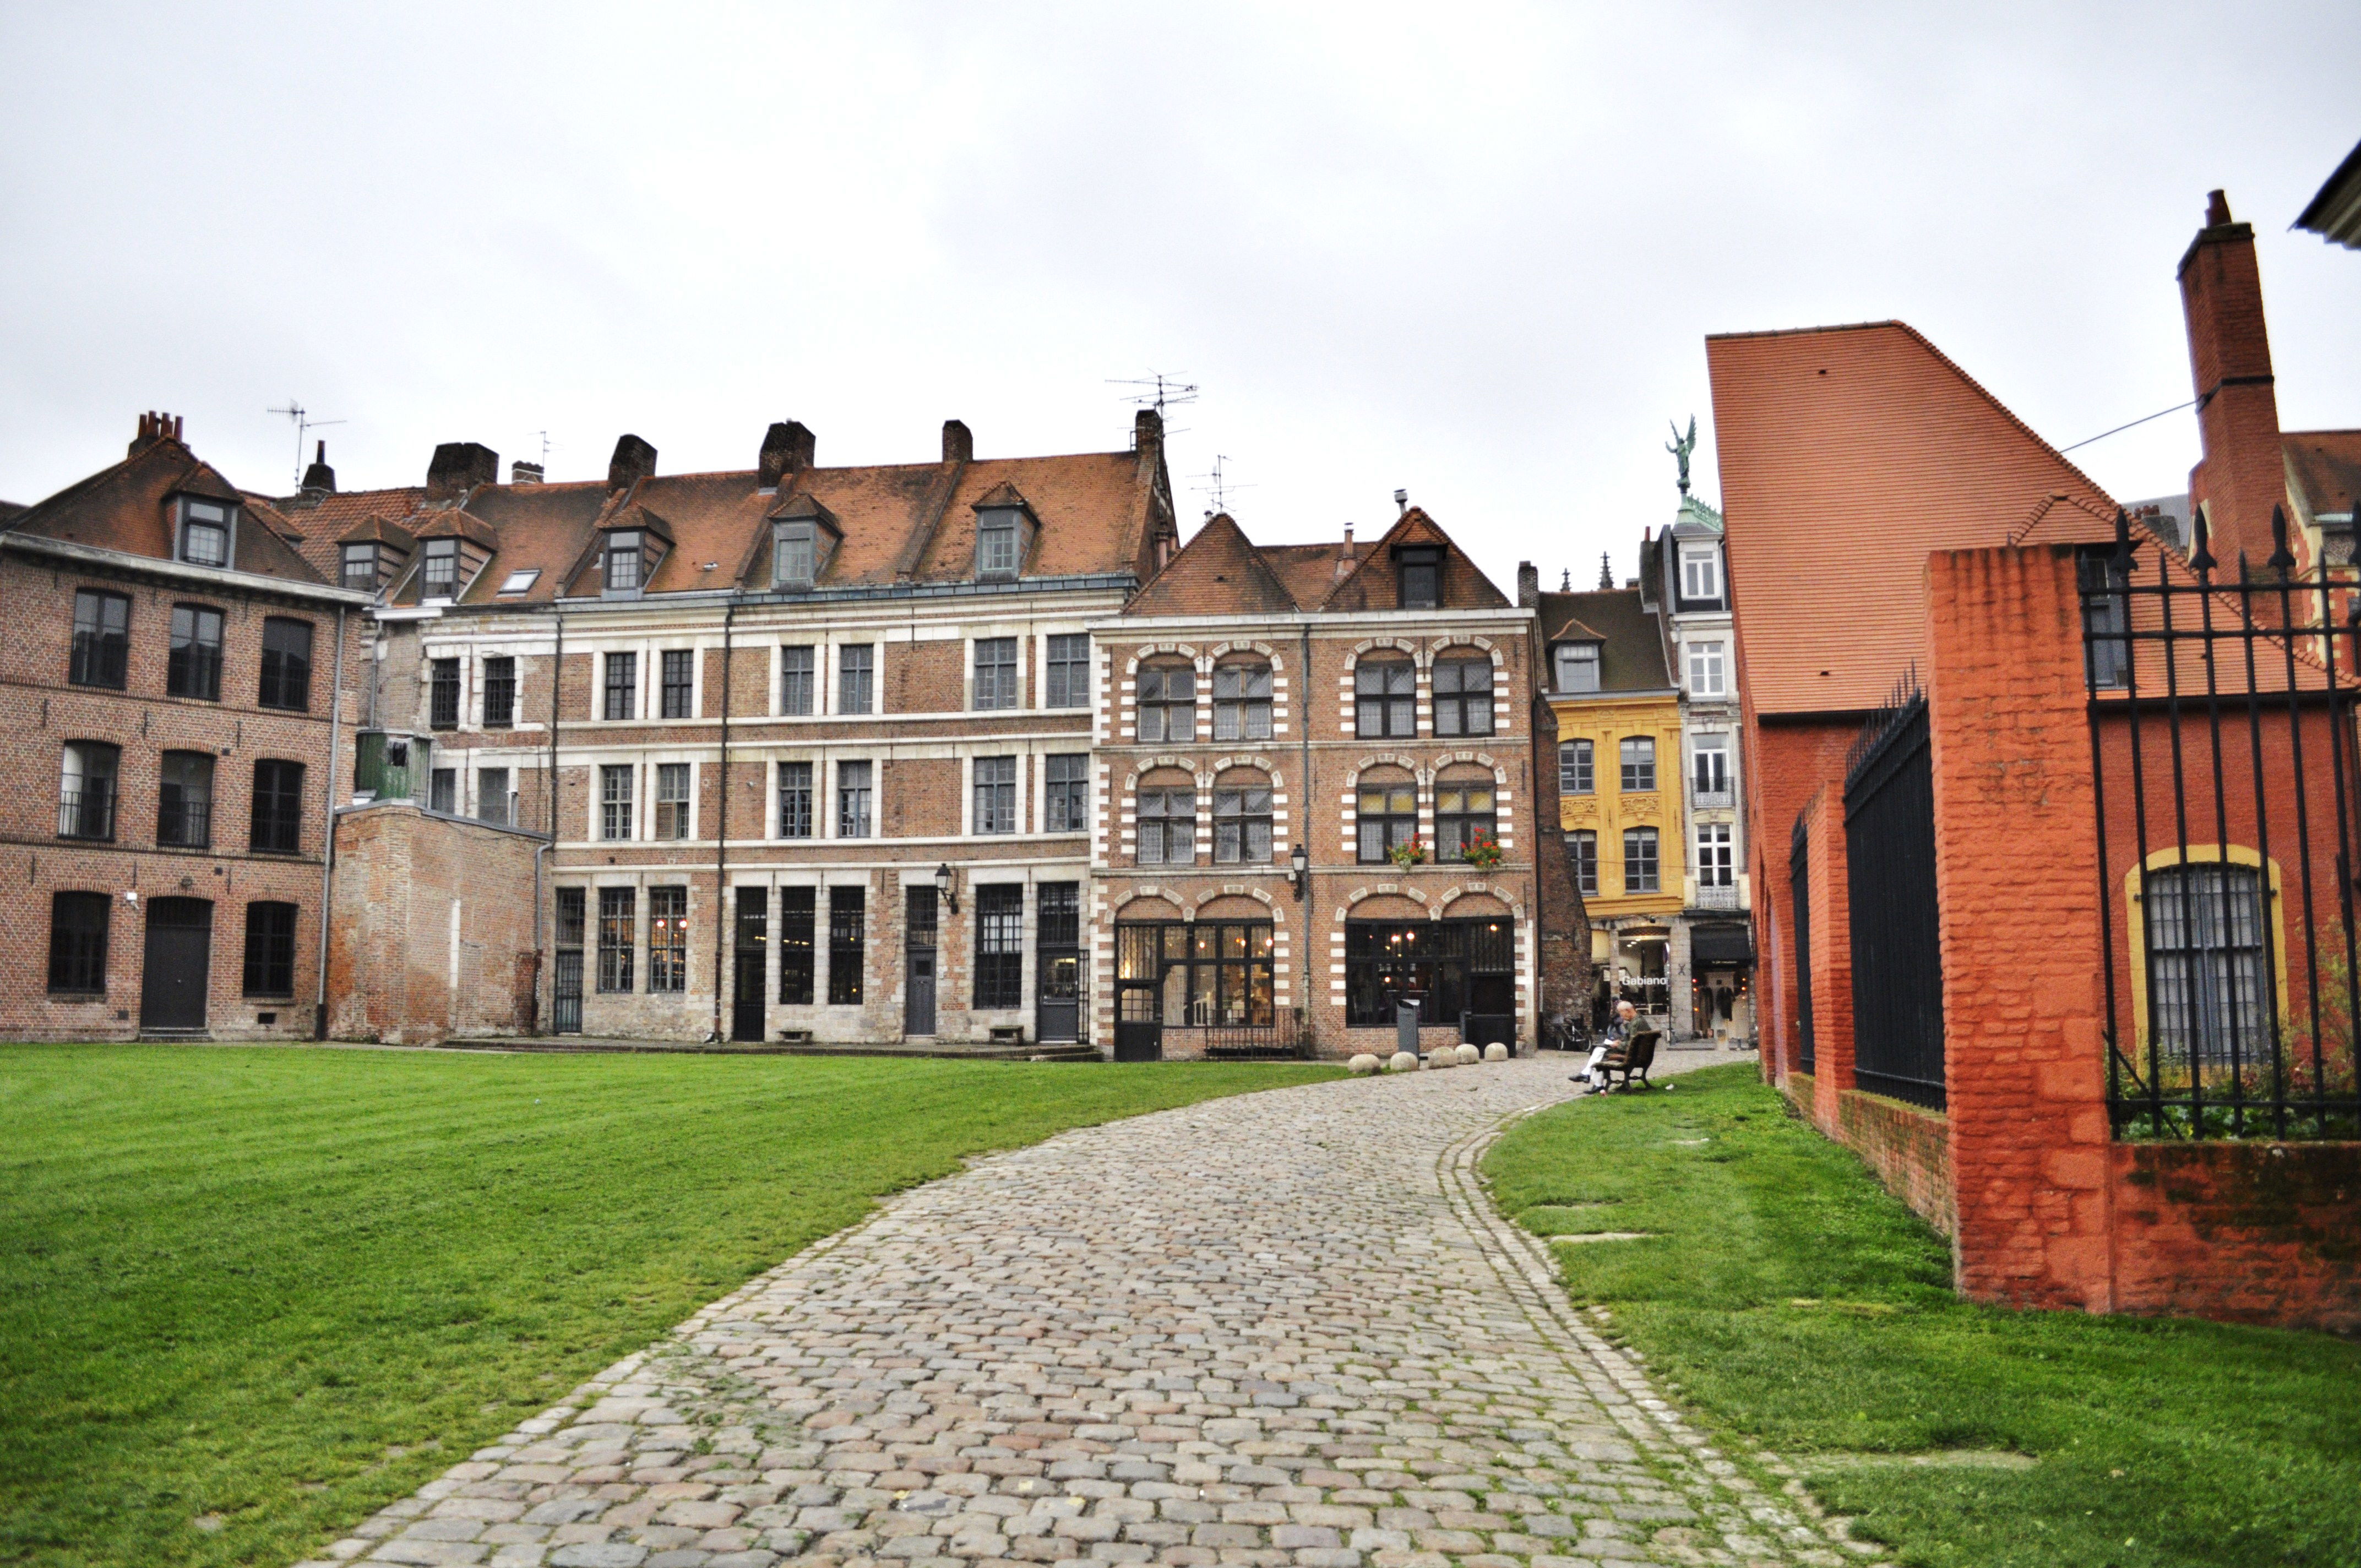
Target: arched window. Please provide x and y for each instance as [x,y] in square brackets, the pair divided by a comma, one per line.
[1385,698]
[1463,694]
[1387,813]
[1168,703]
[1464,812]
[1242,702]
[1242,820]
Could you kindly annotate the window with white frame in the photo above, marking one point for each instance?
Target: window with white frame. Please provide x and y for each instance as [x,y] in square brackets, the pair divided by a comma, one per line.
[1167,826]
[672,800]
[995,794]
[1577,666]
[615,800]
[995,672]
[1168,702]
[1576,773]
[1242,702]
[1710,768]
[852,814]
[1716,866]
[1705,669]
[1700,573]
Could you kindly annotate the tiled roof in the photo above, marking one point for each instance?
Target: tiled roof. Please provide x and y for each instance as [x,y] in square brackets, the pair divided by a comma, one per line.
[2325,465]
[1221,572]
[1848,455]
[1632,658]
[121,508]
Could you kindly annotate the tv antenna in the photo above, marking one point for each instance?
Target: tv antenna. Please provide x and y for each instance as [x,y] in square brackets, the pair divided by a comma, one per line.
[300,417]
[1218,486]
[1157,391]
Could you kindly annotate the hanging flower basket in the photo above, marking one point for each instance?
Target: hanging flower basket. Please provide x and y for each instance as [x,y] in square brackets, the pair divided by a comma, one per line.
[1482,851]
[1408,854]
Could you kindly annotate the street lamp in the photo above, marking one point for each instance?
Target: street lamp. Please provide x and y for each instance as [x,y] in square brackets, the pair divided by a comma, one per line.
[943,887]
[1298,868]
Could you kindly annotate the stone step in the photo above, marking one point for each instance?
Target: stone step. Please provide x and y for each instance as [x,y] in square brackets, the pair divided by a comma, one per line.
[941,1049]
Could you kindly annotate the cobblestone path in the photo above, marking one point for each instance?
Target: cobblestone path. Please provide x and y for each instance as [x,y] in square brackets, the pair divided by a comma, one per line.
[1284,1330]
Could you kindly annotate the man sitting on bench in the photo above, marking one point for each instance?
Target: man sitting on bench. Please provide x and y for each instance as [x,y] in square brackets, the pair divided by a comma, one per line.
[1626,1020]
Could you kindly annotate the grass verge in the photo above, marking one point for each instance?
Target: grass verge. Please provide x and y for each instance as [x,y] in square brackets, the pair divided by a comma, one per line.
[273,1290]
[1784,1294]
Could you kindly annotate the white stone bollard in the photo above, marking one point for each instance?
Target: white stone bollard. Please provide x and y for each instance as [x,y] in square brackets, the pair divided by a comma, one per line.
[1441,1058]
[1362,1065]
[1403,1061]
[1496,1051]
[1469,1055]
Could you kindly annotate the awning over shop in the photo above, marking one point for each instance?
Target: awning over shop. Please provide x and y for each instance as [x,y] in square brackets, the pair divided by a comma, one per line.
[1721,945]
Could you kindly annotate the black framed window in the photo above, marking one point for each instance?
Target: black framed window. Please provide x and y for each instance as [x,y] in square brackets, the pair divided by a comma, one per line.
[86,790]
[1421,567]
[1241,825]
[615,800]
[856,677]
[443,693]
[78,926]
[796,945]
[269,949]
[1168,703]
[622,562]
[1584,846]
[672,800]
[1453,964]
[1067,801]
[667,939]
[1577,666]
[277,824]
[622,686]
[1066,672]
[1213,973]
[795,800]
[1463,696]
[1639,759]
[1242,702]
[102,640]
[995,672]
[443,791]
[1466,813]
[1000,945]
[795,679]
[995,794]
[1576,774]
[848,923]
[184,813]
[569,917]
[1385,699]
[619,935]
[360,568]
[194,666]
[438,573]
[499,692]
[205,533]
[1384,819]
[2204,931]
[492,797]
[853,816]
[679,689]
[1167,826]
[2106,618]
[1058,914]
[1710,769]
[1640,871]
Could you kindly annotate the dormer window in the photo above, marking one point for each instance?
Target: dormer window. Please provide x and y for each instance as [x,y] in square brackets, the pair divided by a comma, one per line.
[1577,666]
[795,554]
[360,568]
[1700,573]
[1422,576]
[205,533]
[624,565]
[440,577]
[999,542]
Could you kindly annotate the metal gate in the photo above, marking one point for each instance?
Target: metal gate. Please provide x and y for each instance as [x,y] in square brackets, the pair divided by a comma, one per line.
[1058,962]
[1897,958]
[746,995]
[1799,876]
[565,996]
[918,949]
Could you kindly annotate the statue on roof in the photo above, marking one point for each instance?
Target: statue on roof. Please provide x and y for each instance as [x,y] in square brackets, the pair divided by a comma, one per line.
[1680,447]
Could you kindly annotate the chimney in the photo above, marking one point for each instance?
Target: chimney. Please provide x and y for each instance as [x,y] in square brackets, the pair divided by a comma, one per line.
[633,460]
[1148,433]
[1402,502]
[155,427]
[459,466]
[1529,586]
[959,444]
[2243,473]
[320,480]
[524,473]
[1344,556]
[788,448]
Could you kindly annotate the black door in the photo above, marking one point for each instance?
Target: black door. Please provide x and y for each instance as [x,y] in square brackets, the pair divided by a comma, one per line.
[919,966]
[179,961]
[565,1003]
[1139,994]
[746,1017]
[1057,959]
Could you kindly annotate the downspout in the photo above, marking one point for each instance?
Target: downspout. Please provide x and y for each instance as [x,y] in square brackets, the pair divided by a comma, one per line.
[328,832]
[540,955]
[540,958]
[1303,821]
[721,831]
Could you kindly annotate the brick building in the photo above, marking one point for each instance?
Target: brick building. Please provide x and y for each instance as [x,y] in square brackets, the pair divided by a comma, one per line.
[182,684]
[1315,770]
[811,745]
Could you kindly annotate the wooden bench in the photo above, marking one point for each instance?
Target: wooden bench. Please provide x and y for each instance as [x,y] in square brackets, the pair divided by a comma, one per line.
[1631,1058]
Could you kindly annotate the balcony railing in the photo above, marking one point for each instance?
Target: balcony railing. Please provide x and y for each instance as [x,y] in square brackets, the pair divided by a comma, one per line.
[185,825]
[1712,797]
[1712,898]
[86,814]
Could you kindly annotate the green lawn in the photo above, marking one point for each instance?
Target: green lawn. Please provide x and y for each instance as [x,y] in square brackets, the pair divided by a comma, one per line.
[251,1283]
[1791,1299]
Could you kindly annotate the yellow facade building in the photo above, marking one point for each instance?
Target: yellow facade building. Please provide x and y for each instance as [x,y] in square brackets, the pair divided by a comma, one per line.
[1619,783]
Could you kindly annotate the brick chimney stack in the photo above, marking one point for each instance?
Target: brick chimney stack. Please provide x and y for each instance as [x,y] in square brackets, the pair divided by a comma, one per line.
[634,460]
[2243,473]
[319,479]
[1148,433]
[788,448]
[1529,586]
[959,442]
[155,427]
[459,466]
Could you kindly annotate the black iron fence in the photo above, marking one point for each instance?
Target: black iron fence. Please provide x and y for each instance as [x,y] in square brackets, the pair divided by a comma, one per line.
[1897,960]
[2220,713]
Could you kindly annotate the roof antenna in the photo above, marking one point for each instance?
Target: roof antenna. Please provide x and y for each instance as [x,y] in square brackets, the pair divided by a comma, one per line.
[1218,487]
[1566,580]
[1158,390]
[1605,577]
[302,420]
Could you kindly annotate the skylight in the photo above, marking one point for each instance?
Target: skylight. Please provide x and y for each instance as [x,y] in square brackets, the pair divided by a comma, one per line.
[517,582]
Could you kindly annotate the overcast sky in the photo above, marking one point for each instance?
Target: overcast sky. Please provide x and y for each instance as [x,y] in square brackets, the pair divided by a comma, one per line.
[1465,250]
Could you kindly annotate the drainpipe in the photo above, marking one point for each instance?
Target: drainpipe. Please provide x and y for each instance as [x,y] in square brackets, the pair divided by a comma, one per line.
[328,832]
[721,831]
[1303,823]
[541,954]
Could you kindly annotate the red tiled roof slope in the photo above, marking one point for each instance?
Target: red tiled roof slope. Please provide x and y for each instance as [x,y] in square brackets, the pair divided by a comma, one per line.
[1847,455]
[121,508]
[1221,572]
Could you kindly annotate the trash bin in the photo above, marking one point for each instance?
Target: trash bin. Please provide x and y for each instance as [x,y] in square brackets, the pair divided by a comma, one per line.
[1406,1012]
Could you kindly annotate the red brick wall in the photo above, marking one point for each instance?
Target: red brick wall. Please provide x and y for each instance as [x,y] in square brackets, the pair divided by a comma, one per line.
[1909,1149]
[1790,761]
[2255,1233]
